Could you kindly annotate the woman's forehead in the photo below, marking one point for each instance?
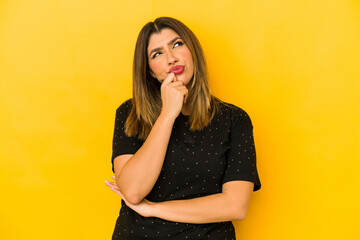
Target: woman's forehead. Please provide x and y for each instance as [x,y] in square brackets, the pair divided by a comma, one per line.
[158,40]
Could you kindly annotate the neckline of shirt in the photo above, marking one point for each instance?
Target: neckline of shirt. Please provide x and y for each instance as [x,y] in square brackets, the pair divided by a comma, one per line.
[183,116]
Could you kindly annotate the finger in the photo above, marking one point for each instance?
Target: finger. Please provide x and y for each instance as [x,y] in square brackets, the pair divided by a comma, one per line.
[170,78]
[182,89]
[113,176]
[110,184]
[175,84]
[122,197]
[107,182]
[180,85]
[117,192]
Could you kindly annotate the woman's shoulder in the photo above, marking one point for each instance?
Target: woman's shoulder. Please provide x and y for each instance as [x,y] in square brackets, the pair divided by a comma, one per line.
[234,112]
[125,106]
[223,106]
[123,111]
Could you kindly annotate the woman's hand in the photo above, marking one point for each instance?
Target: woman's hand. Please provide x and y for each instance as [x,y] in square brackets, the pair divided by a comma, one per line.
[173,95]
[144,208]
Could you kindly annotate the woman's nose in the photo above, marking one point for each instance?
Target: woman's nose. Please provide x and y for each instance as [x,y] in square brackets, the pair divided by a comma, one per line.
[172,58]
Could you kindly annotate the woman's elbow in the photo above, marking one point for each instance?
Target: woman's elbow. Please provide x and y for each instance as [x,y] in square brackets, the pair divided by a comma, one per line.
[130,195]
[240,208]
[240,211]
[240,215]
[133,199]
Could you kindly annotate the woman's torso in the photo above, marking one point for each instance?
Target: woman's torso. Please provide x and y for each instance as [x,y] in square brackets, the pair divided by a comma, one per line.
[195,165]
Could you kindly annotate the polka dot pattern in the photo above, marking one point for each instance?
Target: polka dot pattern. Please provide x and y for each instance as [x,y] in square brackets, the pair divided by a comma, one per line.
[196,164]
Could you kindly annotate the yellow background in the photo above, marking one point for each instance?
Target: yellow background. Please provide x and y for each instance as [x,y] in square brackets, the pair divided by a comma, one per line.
[65,66]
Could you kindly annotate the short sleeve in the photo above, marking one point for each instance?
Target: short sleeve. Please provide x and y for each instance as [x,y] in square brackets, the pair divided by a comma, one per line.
[122,144]
[241,156]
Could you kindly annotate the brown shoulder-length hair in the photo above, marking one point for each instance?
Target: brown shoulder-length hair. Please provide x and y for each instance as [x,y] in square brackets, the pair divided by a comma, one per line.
[146,102]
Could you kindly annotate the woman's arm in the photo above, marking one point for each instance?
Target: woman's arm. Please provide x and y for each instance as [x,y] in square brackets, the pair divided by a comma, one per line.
[136,174]
[231,204]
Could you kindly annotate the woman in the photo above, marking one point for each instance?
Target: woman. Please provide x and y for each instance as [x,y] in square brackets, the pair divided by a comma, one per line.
[184,161]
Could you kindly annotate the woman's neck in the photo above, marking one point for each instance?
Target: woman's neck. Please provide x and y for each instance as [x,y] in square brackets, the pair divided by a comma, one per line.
[184,110]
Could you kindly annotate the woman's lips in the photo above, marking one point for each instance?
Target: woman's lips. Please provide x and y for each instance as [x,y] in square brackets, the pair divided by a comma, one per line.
[177,69]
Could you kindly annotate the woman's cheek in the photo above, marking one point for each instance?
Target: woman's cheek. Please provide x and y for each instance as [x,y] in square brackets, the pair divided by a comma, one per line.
[155,69]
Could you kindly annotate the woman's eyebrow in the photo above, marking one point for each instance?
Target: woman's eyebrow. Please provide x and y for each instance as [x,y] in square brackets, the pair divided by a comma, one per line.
[159,48]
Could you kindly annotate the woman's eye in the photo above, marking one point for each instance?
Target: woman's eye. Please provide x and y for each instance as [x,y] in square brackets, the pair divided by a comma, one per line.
[155,54]
[178,44]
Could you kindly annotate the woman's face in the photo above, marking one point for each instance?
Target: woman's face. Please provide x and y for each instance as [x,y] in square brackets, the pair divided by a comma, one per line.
[166,50]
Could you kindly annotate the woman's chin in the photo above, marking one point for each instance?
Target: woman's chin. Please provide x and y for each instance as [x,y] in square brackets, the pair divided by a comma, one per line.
[183,81]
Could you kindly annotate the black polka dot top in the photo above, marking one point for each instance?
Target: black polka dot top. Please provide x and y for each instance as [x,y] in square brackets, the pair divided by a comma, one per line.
[196,164]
